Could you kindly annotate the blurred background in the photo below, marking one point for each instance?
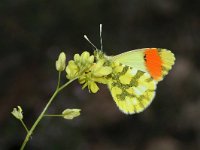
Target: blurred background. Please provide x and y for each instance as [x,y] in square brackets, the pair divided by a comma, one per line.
[34,32]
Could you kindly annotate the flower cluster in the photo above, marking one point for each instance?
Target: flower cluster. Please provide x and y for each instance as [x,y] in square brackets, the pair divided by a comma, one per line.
[88,71]
[79,65]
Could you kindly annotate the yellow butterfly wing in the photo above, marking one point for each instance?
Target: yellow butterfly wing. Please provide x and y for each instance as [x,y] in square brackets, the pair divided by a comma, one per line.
[155,61]
[132,90]
[135,76]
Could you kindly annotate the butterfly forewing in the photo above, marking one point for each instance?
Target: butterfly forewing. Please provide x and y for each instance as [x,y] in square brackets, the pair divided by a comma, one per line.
[133,58]
[157,62]
[168,60]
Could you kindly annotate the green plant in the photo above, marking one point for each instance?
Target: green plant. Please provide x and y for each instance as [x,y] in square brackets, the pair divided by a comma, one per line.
[86,69]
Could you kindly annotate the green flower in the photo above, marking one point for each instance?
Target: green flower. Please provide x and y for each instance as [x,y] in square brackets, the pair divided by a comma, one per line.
[88,81]
[99,70]
[79,65]
[97,73]
[17,113]
[61,62]
[88,72]
[72,70]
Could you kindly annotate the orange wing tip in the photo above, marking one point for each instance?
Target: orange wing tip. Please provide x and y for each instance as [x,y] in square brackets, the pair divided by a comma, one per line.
[153,63]
[159,62]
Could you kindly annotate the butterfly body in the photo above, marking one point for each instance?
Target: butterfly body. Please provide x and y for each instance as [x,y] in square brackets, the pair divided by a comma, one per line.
[135,76]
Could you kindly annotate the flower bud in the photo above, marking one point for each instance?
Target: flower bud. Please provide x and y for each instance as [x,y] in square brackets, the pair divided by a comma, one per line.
[61,62]
[17,113]
[93,87]
[71,113]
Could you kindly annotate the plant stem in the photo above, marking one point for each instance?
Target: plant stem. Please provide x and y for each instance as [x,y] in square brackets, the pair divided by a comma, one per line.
[43,112]
[58,84]
[25,127]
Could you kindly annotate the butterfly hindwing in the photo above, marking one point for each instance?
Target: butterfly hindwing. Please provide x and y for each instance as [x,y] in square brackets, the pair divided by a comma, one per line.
[132,90]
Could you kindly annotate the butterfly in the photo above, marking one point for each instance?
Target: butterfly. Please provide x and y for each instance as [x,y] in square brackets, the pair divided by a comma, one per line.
[135,76]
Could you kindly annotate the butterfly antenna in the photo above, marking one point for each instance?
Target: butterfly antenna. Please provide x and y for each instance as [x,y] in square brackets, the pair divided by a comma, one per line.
[90,41]
[101,41]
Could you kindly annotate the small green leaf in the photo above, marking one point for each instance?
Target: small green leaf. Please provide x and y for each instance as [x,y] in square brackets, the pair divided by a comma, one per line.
[71,113]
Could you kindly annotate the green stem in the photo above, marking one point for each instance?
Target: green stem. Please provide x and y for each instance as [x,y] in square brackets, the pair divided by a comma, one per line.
[58,84]
[25,127]
[43,112]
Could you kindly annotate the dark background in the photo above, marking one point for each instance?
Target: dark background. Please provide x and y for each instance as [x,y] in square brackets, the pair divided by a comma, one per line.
[34,32]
